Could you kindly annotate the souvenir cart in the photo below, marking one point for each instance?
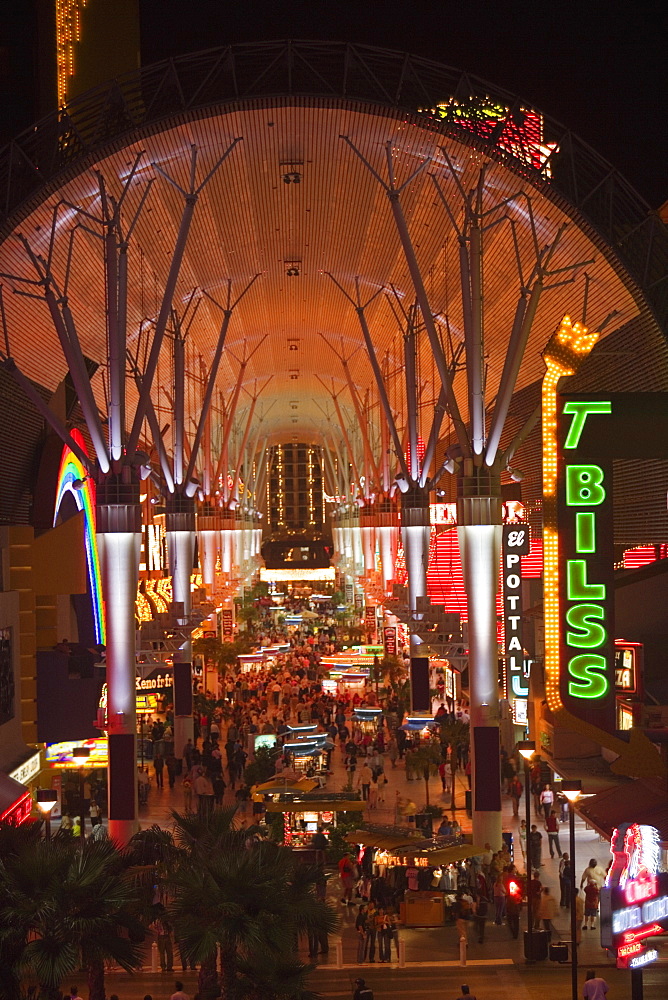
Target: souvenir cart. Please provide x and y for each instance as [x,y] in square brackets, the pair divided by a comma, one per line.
[251,662]
[419,876]
[304,812]
[368,720]
[309,754]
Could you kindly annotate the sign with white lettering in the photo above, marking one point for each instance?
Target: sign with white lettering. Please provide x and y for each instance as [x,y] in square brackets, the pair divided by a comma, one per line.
[634,900]
[390,641]
[516,543]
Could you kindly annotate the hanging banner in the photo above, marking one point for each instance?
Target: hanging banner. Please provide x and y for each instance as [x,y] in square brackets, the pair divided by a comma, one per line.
[390,642]
[227,624]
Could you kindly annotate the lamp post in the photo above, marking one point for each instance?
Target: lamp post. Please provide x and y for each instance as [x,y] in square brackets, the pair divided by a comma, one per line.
[572,790]
[46,799]
[528,748]
[80,755]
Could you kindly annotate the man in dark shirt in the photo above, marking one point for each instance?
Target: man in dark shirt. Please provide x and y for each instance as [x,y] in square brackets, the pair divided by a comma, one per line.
[536,842]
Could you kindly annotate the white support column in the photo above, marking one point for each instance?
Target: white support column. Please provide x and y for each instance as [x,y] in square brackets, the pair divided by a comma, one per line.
[208,551]
[368,548]
[479,534]
[180,525]
[388,537]
[119,541]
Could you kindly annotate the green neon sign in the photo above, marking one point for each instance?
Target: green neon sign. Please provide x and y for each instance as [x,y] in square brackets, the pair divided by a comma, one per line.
[580,411]
[585,611]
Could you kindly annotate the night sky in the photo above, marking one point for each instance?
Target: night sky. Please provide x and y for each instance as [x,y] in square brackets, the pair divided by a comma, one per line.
[597,67]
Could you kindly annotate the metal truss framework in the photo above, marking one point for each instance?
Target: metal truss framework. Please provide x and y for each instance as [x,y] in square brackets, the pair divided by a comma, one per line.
[195,85]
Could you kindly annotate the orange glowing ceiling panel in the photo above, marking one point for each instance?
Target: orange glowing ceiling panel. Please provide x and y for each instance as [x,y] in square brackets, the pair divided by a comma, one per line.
[336,219]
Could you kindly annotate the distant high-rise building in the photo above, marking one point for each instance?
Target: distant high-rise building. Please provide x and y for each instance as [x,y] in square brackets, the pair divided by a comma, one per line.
[295,498]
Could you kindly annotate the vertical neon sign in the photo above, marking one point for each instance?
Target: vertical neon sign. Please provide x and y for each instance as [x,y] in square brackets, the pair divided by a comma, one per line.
[584,505]
[563,355]
[516,543]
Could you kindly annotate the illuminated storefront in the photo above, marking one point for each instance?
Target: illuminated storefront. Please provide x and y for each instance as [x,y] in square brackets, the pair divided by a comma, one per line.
[634,900]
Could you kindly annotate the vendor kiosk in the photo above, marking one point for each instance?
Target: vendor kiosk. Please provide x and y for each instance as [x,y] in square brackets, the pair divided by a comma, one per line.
[305,812]
[423,875]
[368,720]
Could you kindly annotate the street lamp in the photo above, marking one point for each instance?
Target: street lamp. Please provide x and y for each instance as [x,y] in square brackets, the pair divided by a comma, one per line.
[46,799]
[528,748]
[572,791]
[80,756]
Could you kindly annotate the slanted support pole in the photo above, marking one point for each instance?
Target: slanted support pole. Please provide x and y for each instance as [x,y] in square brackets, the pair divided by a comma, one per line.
[213,374]
[190,201]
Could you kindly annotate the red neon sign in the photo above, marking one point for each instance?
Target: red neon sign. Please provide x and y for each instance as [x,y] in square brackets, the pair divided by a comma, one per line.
[630,936]
[644,887]
[19,811]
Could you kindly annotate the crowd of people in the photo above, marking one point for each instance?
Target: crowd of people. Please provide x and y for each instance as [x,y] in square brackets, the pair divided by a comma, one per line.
[272,700]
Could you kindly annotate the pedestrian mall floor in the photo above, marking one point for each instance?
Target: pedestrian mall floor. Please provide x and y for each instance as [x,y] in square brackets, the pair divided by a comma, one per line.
[495,970]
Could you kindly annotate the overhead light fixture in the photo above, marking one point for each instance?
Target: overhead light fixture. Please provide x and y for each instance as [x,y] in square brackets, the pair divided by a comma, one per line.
[46,799]
[572,790]
[292,177]
[80,755]
[293,272]
[527,748]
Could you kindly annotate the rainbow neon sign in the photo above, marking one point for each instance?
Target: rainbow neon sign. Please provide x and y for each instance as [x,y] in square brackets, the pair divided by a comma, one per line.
[72,470]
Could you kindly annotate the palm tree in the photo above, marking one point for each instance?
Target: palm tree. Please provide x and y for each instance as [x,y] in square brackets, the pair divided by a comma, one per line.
[456,735]
[425,761]
[64,906]
[250,900]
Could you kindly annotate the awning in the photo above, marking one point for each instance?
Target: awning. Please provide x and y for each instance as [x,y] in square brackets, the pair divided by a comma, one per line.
[318,805]
[402,845]
[385,842]
[280,784]
[639,801]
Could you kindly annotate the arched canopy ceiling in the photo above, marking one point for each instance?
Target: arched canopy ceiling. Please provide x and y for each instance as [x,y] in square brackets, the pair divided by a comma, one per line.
[336,221]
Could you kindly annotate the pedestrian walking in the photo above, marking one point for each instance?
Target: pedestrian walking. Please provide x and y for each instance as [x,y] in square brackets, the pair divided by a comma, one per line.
[158,765]
[565,880]
[461,912]
[466,994]
[592,895]
[499,893]
[95,813]
[480,913]
[552,829]
[203,788]
[547,911]
[162,930]
[187,786]
[536,841]
[595,872]
[364,780]
[362,991]
[361,929]
[384,935]
[347,876]
[170,764]
[513,908]
[515,791]
[595,988]
[547,800]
